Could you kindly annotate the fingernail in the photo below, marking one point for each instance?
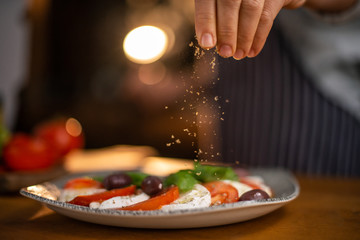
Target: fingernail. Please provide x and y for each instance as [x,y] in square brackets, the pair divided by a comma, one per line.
[239,54]
[225,51]
[207,41]
[251,53]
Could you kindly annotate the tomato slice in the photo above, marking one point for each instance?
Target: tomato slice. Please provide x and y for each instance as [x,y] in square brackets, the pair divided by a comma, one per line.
[79,183]
[255,185]
[100,197]
[156,202]
[250,183]
[221,192]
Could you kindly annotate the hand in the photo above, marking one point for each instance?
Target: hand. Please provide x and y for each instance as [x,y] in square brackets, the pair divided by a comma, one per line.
[237,28]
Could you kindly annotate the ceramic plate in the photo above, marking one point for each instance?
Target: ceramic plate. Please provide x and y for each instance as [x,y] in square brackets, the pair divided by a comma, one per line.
[283,184]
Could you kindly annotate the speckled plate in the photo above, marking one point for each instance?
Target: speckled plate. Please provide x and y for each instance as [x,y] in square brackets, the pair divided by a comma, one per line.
[283,184]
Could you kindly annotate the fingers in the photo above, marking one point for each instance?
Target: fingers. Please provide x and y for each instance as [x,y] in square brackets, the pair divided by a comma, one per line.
[238,28]
[227,26]
[269,12]
[249,17]
[292,4]
[268,15]
[205,22]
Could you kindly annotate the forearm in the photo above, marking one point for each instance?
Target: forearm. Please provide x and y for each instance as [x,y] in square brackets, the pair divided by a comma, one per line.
[330,5]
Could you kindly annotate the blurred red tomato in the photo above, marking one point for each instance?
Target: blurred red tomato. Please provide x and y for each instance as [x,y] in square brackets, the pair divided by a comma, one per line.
[62,135]
[23,152]
[83,182]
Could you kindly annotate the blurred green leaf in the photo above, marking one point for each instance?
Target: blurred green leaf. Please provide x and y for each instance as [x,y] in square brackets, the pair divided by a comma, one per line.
[208,173]
[184,179]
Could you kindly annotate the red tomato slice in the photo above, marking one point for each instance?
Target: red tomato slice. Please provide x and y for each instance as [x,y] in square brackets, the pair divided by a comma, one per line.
[221,192]
[100,197]
[156,202]
[254,185]
[79,183]
[250,183]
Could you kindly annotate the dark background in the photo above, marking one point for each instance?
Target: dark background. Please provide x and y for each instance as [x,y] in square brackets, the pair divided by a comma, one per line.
[78,69]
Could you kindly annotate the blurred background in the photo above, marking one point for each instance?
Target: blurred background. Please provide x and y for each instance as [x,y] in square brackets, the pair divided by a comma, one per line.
[68,58]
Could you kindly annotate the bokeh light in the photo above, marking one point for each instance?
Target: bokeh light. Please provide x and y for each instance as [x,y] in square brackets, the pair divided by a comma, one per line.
[73,127]
[151,74]
[145,44]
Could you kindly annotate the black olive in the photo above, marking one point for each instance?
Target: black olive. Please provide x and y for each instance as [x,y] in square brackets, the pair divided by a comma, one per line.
[117,180]
[255,194]
[151,185]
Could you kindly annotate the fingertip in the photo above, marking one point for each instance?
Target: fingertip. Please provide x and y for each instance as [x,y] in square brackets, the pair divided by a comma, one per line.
[239,54]
[225,51]
[252,53]
[207,41]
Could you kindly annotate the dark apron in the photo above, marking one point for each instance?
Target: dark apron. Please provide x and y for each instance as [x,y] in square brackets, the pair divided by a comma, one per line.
[277,118]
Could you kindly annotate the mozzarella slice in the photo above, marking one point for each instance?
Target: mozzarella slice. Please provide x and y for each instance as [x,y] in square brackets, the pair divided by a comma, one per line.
[69,194]
[198,197]
[260,181]
[240,187]
[119,202]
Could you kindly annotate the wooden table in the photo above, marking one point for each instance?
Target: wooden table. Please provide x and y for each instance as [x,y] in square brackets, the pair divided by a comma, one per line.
[327,208]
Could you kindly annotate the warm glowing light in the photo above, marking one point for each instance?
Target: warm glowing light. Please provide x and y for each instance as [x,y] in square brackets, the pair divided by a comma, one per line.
[151,74]
[73,127]
[145,44]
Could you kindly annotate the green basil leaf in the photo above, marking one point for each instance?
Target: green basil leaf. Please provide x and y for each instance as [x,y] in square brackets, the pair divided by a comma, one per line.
[208,173]
[184,179]
[137,177]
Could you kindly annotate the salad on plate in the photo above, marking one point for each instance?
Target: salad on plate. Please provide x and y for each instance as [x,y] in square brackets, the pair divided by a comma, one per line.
[201,187]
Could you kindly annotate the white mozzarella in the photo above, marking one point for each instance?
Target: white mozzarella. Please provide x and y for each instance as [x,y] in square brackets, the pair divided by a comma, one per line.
[119,202]
[198,197]
[94,205]
[240,187]
[69,194]
[260,182]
